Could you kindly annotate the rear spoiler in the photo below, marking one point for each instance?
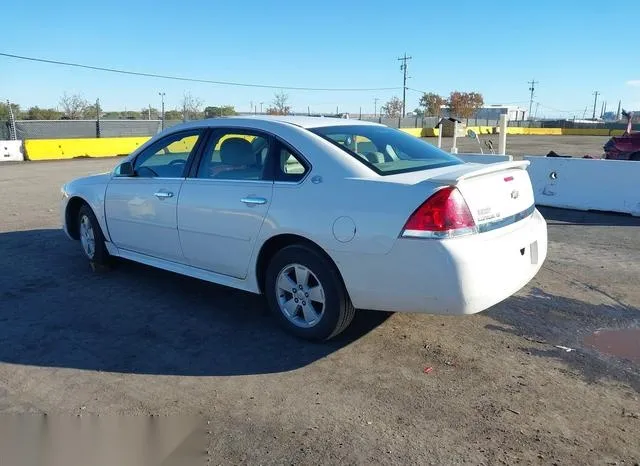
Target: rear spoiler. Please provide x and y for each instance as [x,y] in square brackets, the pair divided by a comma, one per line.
[465,173]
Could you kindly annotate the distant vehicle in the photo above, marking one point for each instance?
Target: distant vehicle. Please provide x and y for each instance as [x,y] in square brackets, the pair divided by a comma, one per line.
[625,147]
[320,215]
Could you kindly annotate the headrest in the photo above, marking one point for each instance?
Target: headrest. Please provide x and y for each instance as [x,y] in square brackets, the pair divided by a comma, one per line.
[237,152]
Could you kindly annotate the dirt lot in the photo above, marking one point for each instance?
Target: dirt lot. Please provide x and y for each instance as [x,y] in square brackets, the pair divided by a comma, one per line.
[577,146]
[142,341]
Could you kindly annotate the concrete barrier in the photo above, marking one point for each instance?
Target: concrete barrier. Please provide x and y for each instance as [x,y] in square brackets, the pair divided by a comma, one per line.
[586,184]
[484,158]
[52,149]
[11,151]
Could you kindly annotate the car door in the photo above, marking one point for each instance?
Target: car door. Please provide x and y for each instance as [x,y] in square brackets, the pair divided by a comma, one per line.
[141,209]
[223,204]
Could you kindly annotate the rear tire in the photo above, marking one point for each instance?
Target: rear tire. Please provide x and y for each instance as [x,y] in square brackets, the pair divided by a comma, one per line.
[92,239]
[306,294]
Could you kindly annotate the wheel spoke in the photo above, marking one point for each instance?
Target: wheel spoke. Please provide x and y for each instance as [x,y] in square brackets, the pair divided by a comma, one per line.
[302,276]
[309,313]
[285,283]
[290,307]
[316,294]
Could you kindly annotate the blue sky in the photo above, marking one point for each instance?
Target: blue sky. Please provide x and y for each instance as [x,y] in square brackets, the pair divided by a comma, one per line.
[571,47]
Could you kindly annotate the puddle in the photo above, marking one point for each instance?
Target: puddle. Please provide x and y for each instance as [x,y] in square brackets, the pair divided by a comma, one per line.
[623,343]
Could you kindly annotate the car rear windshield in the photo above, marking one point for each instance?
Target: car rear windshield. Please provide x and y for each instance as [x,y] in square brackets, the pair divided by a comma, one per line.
[386,150]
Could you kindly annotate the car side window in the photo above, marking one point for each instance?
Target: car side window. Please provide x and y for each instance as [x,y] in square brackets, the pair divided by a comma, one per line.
[290,167]
[235,155]
[168,157]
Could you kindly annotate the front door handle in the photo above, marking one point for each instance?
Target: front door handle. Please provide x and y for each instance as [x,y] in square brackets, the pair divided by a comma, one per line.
[163,194]
[253,200]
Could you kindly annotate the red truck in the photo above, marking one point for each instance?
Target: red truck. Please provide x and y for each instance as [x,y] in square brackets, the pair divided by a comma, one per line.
[625,147]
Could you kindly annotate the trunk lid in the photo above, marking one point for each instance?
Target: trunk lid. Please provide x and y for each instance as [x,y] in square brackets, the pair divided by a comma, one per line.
[494,192]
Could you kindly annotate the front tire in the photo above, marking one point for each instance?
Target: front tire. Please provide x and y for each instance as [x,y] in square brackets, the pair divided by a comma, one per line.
[306,294]
[92,239]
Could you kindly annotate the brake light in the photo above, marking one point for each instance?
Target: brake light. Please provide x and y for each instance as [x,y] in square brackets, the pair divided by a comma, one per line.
[444,215]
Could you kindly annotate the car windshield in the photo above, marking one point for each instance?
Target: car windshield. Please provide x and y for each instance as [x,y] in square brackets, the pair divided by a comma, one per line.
[386,150]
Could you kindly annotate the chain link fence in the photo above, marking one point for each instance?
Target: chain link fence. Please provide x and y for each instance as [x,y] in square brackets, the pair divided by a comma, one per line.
[64,129]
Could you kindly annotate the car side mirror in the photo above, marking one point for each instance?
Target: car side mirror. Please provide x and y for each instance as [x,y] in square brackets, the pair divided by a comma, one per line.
[125,169]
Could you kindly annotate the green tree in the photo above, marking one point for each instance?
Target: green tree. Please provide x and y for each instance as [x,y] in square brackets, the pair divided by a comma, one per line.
[393,108]
[172,115]
[465,104]
[37,113]
[432,103]
[149,113]
[224,110]
[4,111]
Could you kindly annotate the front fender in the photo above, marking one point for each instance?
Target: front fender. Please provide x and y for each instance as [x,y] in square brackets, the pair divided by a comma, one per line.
[90,190]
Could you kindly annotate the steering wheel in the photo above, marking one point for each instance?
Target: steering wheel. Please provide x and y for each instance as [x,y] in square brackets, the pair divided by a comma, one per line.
[140,171]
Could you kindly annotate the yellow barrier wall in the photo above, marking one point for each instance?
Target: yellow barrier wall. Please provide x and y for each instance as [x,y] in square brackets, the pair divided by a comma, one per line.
[592,132]
[518,131]
[52,149]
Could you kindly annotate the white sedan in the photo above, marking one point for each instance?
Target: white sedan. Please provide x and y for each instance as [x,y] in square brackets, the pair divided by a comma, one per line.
[321,215]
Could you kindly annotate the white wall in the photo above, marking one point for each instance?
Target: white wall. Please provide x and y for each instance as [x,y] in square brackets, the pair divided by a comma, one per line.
[486,158]
[11,151]
[586,184]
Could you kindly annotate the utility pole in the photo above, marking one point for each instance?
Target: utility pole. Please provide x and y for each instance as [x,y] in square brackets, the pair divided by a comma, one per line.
[595,104]
[618,112]
[308,110]
[532,88]
[375,107]
[604,107]
[162,94]
[536,112]
[149,111]
[97,118]
[261,106]
[403,67]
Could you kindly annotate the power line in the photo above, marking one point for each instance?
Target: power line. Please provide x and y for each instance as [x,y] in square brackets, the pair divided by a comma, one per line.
[197,80]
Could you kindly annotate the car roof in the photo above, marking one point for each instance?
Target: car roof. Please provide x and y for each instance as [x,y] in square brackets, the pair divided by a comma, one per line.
[301,121]
[309,121]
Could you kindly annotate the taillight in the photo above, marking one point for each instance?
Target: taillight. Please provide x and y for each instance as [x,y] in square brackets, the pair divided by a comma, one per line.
[444,215]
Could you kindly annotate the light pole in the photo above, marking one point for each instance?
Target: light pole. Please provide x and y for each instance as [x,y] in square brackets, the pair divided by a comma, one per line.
[261,107]
[162,94]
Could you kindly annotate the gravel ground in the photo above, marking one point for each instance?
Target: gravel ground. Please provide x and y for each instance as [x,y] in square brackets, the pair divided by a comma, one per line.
[141,341]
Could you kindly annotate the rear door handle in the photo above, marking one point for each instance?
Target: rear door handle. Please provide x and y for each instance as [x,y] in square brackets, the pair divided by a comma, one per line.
[163,194]
[253,200]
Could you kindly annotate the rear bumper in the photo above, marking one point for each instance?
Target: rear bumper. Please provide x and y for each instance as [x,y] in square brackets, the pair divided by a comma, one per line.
[456,276]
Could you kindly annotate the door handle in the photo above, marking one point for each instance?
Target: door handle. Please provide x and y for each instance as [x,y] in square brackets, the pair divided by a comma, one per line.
[163,194]
[253,200]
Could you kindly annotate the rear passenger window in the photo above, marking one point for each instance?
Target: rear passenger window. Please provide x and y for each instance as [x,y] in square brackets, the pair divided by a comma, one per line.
[235,155]
[290,166]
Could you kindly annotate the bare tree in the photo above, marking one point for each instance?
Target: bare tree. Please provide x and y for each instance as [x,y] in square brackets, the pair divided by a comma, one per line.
[73,106]
[191,106]
[280,104]
[393,108]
